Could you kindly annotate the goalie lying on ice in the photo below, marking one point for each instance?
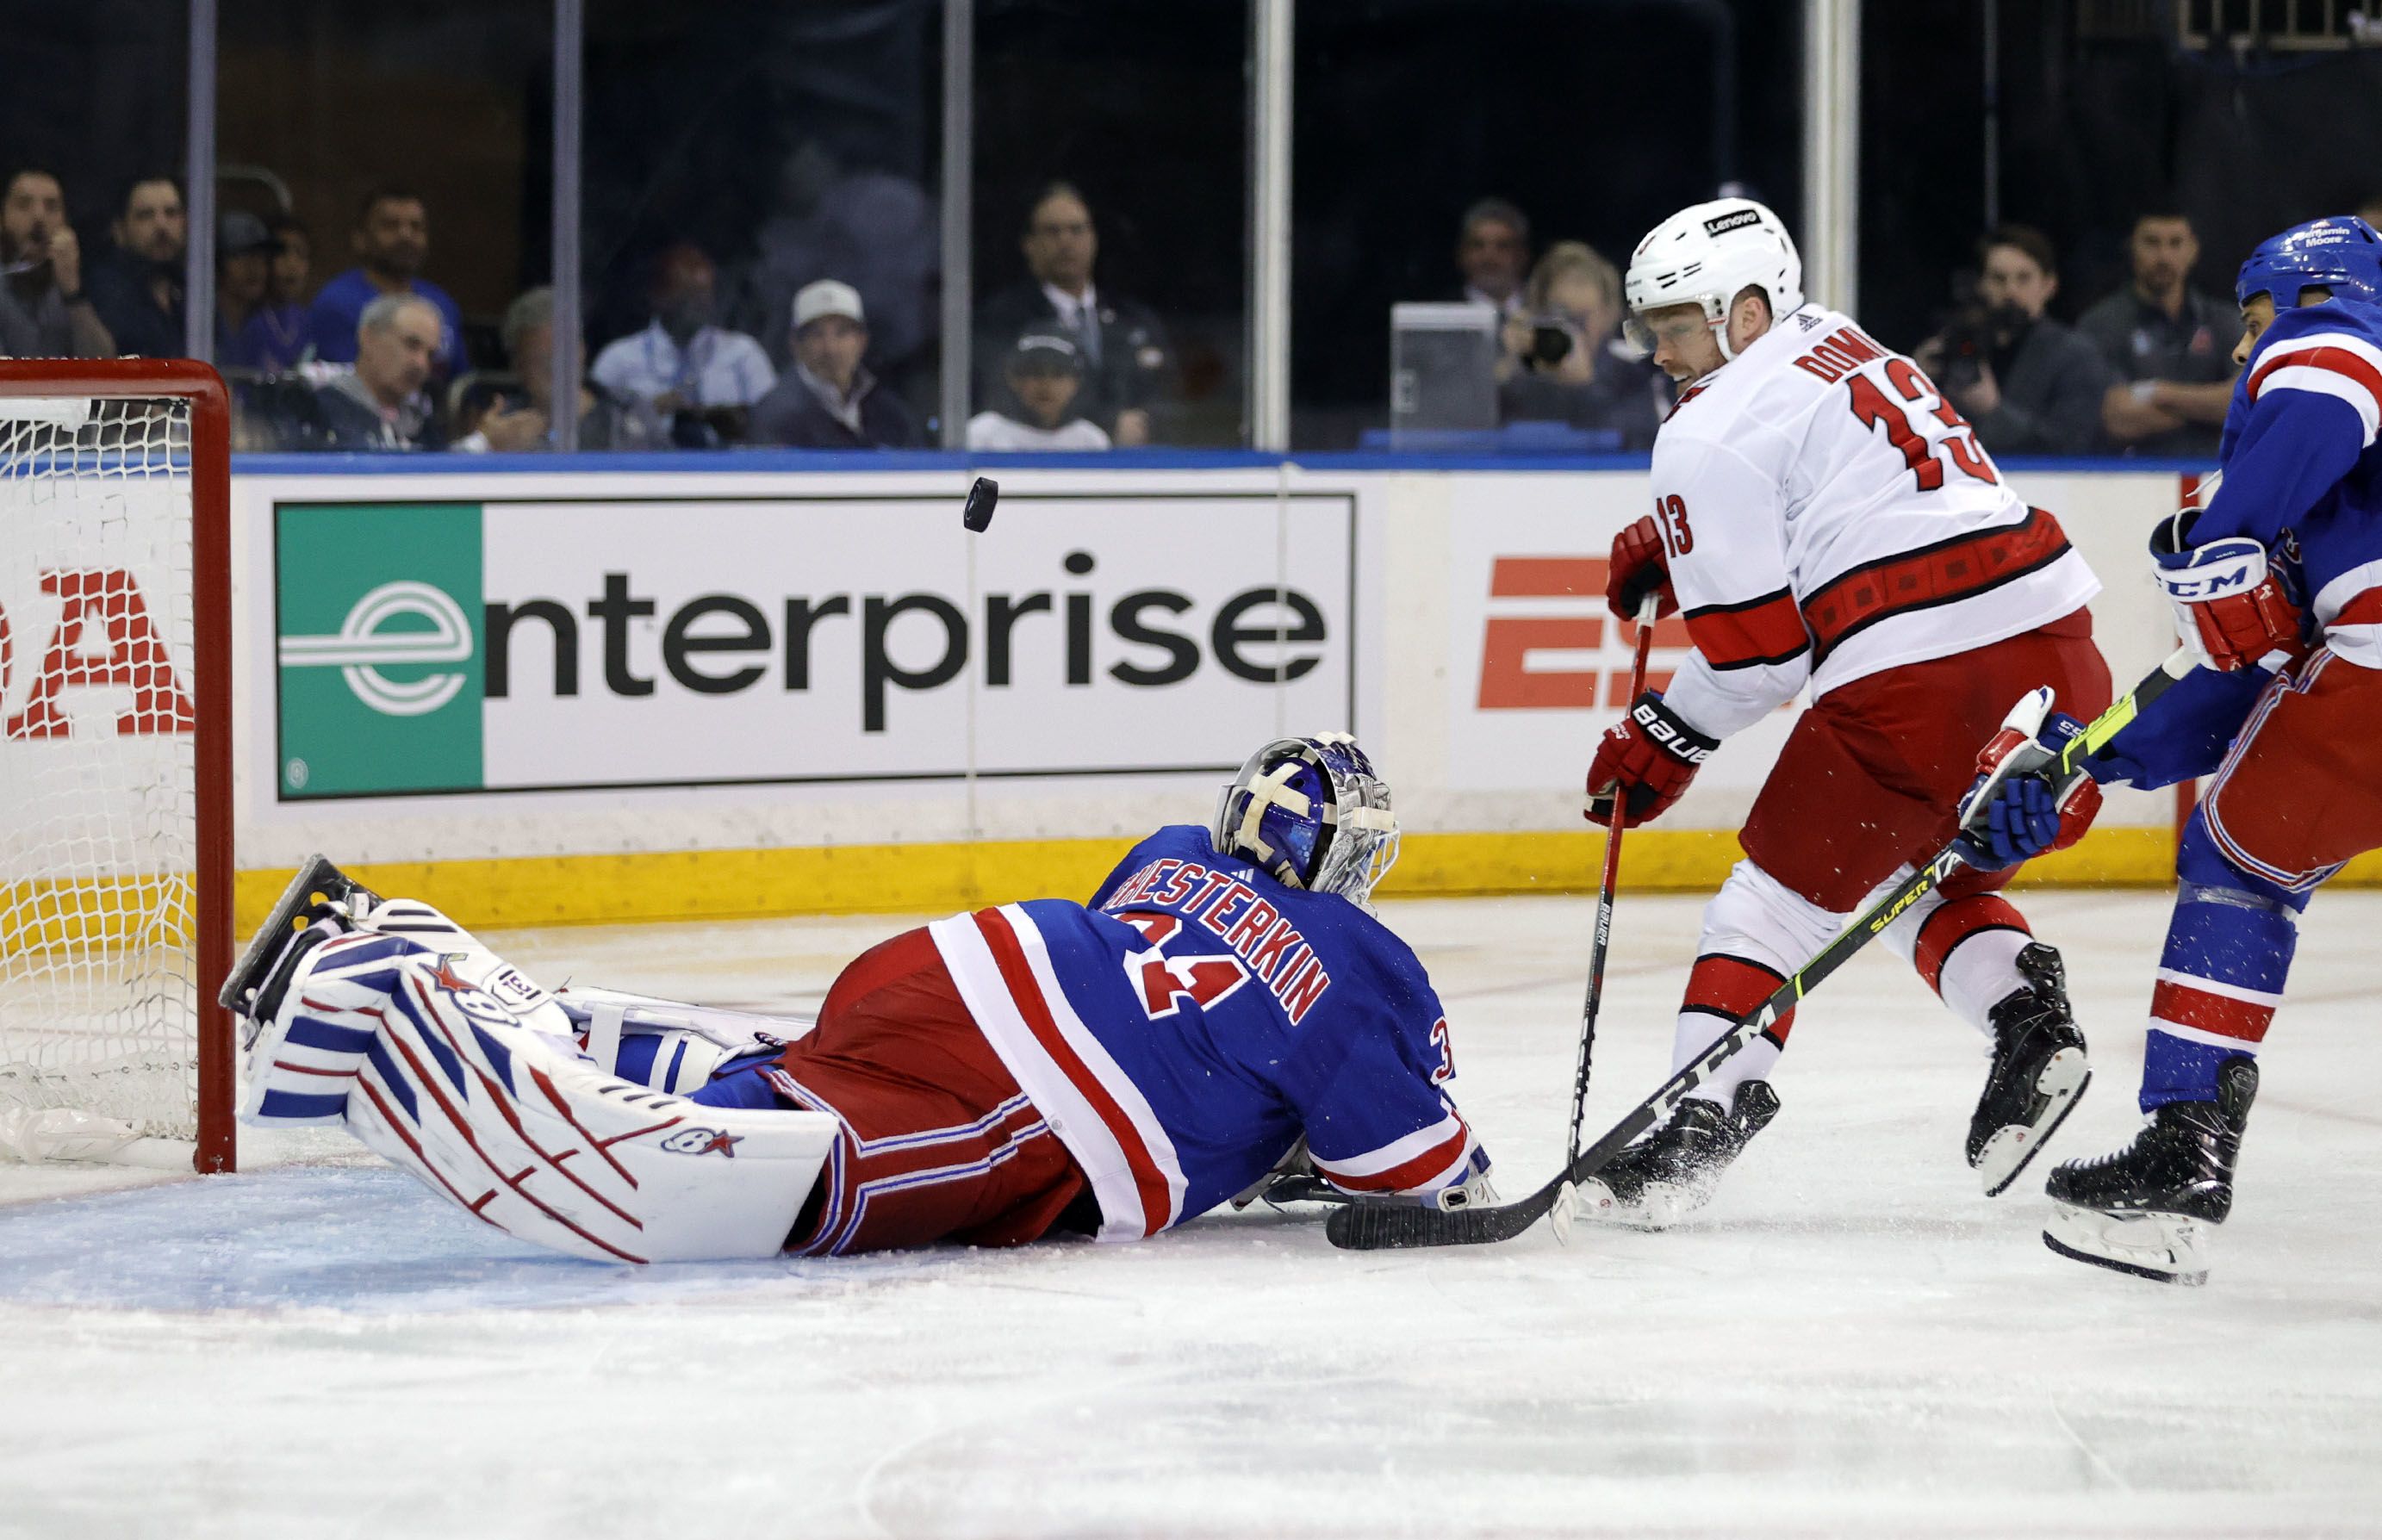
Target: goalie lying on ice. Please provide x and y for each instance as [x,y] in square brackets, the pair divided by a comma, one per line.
[1110,1069]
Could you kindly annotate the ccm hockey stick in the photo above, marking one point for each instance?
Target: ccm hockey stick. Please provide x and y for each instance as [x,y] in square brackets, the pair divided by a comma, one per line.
[1367,1226]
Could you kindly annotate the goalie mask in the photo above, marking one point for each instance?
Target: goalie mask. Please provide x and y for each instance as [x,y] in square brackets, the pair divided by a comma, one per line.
[1310,812]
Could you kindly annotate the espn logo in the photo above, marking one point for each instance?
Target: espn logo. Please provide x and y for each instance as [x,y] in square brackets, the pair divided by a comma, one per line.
[1580,654]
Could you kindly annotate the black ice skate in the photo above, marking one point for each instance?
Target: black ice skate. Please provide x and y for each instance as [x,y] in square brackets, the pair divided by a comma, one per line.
[2039,1073]
[2142,1209]
[1671,1172]
[318,904]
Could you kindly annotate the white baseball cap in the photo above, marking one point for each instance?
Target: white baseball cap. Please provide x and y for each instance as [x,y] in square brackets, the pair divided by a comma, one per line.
[826,296]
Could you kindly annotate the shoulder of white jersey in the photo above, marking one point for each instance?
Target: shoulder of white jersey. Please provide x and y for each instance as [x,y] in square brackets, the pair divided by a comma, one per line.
[2334,350]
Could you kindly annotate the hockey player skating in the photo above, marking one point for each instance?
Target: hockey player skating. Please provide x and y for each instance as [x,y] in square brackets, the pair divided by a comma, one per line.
[2278,590]
[1110,1068]
[1826,520]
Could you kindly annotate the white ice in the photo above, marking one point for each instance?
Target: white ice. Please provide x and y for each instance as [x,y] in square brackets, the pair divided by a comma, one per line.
[1850,1340]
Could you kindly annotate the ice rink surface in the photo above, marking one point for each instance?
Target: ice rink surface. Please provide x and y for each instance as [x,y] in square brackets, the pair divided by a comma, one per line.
[1850,1340]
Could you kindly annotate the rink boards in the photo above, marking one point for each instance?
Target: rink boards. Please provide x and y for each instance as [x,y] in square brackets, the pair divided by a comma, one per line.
[743,689]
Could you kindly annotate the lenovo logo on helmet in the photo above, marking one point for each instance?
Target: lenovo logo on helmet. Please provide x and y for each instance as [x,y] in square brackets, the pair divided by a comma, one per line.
[1735,221]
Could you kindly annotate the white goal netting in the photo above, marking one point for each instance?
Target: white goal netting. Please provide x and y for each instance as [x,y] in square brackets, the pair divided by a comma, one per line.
[99,962]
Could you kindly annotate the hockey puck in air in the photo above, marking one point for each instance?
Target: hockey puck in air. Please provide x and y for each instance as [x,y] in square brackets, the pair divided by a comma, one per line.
[977,515]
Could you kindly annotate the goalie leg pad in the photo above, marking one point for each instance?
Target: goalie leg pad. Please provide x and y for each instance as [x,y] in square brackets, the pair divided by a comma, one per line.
[471,959]
[302,1063]
[512,1127]
[669,1045]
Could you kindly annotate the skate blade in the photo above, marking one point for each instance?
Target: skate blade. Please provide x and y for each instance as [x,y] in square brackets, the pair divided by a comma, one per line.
[2014,1145]
[2160,1247]
[1656,1208]
[265,945]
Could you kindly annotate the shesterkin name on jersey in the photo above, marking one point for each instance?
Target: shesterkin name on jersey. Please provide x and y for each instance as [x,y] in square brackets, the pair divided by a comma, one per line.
[1276,954]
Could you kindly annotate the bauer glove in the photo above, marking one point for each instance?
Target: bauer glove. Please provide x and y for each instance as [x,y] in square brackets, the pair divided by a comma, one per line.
[1644,761]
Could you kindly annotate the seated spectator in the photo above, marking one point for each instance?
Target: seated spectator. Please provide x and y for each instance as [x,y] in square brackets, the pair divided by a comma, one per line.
[695,375]
[520,418]
[828,400]
[1043,373]
[2170,346]
[1493,250]
[244,251]
[377,403]
[44,309]
[1564,361]
[1120,342]
[275,338]
[2028,384]
[392,244]
[137,287]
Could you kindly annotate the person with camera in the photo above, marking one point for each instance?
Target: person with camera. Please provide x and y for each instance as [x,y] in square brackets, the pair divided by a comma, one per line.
[1564,360]
[2027,384]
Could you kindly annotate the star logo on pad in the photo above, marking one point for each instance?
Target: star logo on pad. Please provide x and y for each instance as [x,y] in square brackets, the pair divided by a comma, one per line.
[445,978]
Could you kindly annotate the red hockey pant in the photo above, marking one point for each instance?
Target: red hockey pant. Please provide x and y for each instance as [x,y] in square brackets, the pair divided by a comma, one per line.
[1870,776]
[938,1142]
[2297,796]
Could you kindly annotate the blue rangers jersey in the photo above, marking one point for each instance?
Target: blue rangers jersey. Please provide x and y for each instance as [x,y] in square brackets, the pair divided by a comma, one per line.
[1183,1030]
[2303,477]
[2303,474]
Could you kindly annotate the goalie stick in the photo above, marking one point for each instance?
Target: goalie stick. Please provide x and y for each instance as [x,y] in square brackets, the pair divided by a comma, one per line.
[1367,1226]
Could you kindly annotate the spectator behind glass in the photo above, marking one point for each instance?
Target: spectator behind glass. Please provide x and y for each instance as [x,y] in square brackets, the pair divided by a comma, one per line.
[2171,347]
[244,252]
[2028,384]
[1493,250]
[392,242]
[380,402]
[44,310]
[1120,342]
[1564,361]
[828,400]
[1043,375]
[699,378]
[137,287]
[520,418]
[275,337]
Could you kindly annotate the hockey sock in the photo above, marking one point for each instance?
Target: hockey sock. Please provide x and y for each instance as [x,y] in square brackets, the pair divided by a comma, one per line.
[2221,973]
[1719,989]
[1756,932]
[1967,950]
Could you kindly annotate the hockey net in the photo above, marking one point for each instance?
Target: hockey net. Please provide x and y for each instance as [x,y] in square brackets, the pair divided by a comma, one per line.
[114,771]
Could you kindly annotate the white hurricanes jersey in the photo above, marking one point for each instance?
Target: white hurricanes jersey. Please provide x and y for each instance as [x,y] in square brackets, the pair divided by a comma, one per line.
[1827,515]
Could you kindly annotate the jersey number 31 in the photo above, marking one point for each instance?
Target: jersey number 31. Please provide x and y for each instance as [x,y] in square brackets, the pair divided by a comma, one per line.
[1873,406]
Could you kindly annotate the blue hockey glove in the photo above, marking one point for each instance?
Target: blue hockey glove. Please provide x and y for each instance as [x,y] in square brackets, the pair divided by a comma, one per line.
[2015,810]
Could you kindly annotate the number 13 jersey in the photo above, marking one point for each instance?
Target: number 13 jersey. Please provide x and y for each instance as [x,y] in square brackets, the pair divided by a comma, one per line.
[1828,515]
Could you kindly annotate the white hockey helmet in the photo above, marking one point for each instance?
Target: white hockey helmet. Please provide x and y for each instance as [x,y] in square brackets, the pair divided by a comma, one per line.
[1707,254]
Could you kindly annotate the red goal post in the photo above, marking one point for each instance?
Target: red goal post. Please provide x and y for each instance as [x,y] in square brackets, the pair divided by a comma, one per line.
[74,434]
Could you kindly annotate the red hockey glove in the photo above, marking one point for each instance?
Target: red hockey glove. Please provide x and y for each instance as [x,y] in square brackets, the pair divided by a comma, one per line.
[2229,606]
[1637,569]
[1646,760]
